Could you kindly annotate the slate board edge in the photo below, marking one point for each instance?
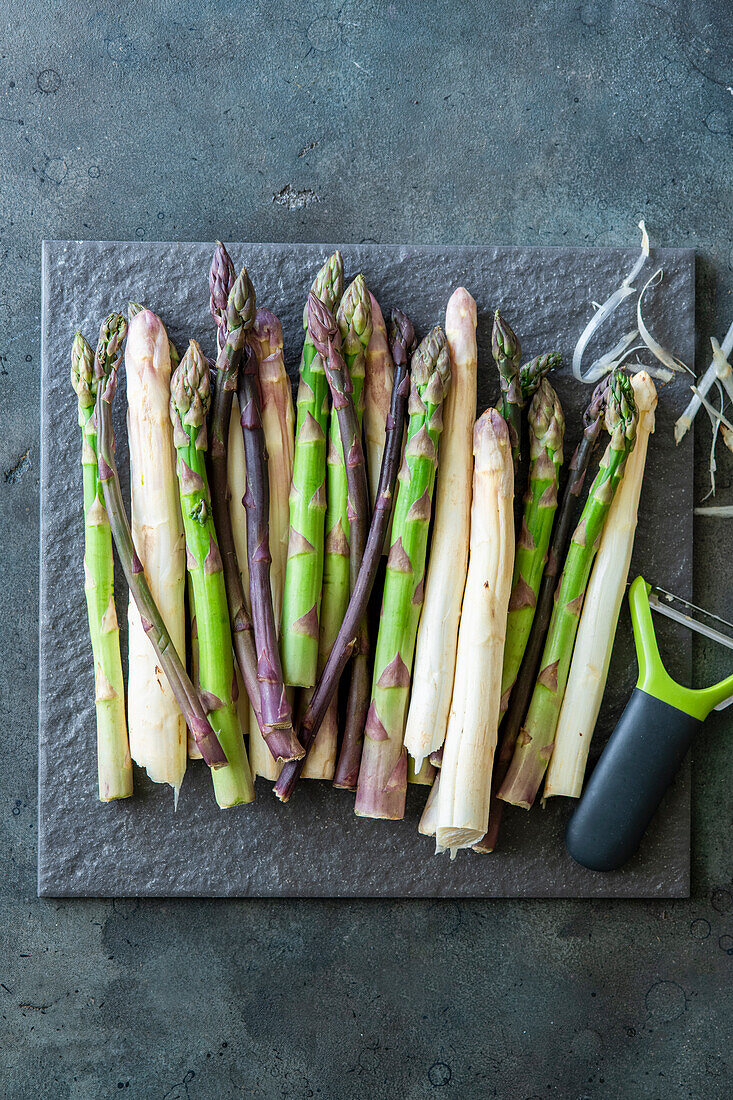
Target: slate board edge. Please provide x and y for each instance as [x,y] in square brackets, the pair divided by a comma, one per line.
[681,887]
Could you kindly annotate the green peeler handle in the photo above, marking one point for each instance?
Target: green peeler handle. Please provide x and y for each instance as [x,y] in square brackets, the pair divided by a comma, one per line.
[642,755]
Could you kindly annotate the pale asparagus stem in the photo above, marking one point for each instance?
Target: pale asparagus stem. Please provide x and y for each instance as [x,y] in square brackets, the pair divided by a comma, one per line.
[383,773]
[277,727]
[723,369]
[235,324]
[435,655]
[184,691]
[304,571]
[402,339]
[534,745]
[377,396]
[157,730]
[189,403]
[683,424]
[601,607]
[278,421]
[114,767]
[470,743]
[429,819]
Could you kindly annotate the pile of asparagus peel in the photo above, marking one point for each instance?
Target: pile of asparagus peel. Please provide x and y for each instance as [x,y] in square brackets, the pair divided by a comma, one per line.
[343,588]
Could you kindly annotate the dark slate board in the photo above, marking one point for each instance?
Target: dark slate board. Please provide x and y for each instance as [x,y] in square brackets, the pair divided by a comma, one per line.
[315,846]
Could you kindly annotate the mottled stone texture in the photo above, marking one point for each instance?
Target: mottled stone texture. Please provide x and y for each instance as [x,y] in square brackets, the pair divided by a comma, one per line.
[315,846]
[556,122]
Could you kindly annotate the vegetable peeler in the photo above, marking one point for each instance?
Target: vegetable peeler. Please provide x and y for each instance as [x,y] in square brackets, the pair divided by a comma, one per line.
[650,741]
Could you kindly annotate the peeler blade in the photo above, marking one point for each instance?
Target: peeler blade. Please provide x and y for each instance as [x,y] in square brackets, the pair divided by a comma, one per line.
[688,614]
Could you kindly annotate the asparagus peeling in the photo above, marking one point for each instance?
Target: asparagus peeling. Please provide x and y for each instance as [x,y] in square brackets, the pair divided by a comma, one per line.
[468,754]
[535,742]
[437,639]
[106,365]
[114,767]
[522,690]
[189,405]
[157,730]
[383,773]
[304,570]
[402,340]
[599,618]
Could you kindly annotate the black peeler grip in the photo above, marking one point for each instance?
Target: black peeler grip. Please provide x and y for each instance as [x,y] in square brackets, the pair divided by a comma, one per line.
[629,781]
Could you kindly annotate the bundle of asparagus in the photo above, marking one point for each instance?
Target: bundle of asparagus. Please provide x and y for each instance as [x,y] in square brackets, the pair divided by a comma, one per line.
[382,780]
[113,754]
[435,655]
[535,742]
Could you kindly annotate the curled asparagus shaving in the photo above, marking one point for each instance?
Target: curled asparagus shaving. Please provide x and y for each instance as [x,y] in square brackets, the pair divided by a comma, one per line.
[347,636]
[114,768]
[277,720]
[106,364]
[534,745]
[522,690]
[382,781]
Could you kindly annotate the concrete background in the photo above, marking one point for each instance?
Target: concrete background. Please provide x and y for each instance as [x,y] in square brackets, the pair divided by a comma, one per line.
[556,122]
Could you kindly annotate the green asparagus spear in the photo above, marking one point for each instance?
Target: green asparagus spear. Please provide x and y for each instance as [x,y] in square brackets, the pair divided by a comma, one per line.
[532,373]
[354,320]
[114,767]
[382,780]
[304,570]
[546,428]
[506,352]
[534,744]
[190,400]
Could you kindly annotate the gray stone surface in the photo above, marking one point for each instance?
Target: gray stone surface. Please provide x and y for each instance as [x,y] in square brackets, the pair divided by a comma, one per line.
[556,122]
[315,846]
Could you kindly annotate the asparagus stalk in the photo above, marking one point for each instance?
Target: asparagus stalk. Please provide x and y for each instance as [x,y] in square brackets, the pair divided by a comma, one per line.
[546,428]
[278,422]
[429,819]
[157,730]
[403,338]
[354,323]
[194,753]
[106,364]
[468,753]
[435,655]
[506,351]
[277,719]
[114,767]
[190,399]
[379,374]
[304,571]
[532,373]
[519,698]
[232,327]
[597,630]
[383,773]
[535,742]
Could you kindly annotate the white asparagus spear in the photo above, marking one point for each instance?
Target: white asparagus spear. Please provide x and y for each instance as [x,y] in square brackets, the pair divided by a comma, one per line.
[156,726]
[378,376]
[435,656]
[429,817]
[278,422]
[601,607]
[470,743]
